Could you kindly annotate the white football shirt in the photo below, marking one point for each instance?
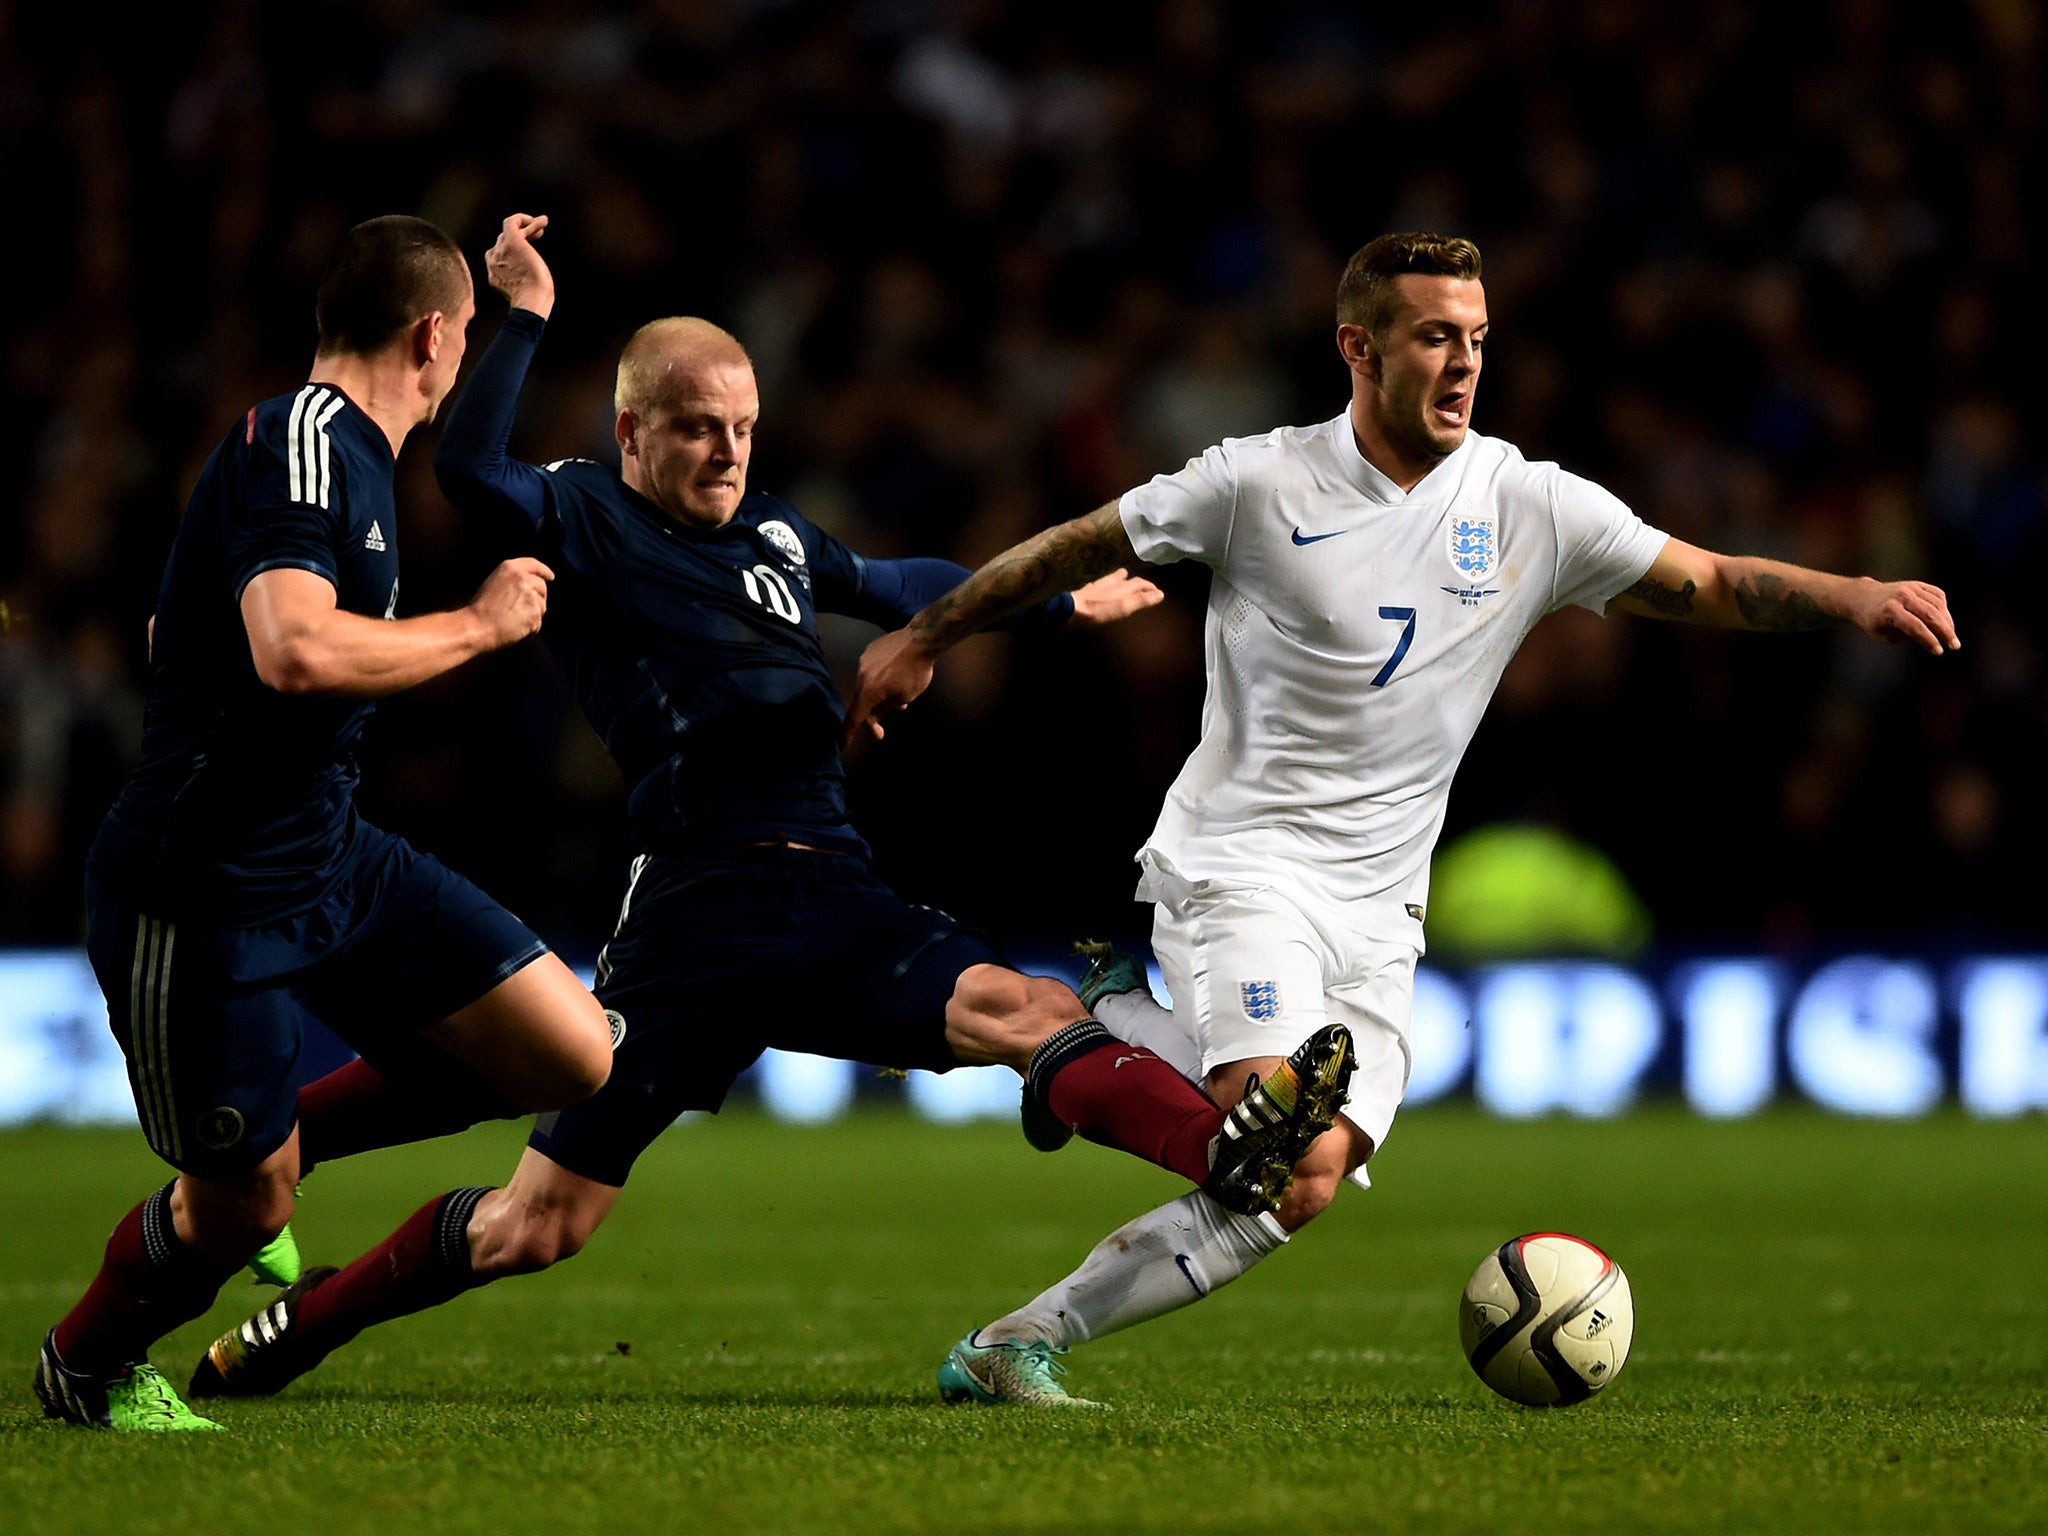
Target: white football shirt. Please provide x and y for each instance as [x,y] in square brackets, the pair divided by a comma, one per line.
[1355,634]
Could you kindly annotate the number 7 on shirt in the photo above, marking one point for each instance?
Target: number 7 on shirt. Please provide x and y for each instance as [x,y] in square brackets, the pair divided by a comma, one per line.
[1406,618]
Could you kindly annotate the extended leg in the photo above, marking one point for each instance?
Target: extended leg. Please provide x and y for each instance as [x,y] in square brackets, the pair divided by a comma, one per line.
[1127,1097]
[454,1243]
[1167,1259]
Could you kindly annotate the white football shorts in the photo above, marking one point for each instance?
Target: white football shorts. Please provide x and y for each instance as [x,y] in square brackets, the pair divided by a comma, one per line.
[1253,973]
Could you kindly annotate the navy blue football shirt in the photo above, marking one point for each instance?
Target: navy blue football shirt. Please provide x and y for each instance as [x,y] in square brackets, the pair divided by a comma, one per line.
[693,653]
[241,803]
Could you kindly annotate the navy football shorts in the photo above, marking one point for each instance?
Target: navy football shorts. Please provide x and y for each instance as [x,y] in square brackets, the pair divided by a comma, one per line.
[211,1017]
[716,960]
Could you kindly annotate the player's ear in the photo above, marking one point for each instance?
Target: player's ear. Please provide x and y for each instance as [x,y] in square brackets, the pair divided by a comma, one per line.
[1354,343]
[427,334]
[626,430]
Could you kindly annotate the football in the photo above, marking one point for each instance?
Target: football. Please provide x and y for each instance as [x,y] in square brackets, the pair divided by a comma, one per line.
[1546,1320]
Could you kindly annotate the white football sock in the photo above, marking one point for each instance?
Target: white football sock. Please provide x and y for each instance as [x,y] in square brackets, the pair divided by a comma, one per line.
[1138,1018]
[1159,1263]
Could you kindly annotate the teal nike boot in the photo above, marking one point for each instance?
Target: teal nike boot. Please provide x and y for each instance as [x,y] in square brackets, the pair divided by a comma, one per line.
[1007,1373]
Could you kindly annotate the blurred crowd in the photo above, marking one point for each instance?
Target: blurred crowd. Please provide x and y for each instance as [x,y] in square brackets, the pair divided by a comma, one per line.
[1765,271]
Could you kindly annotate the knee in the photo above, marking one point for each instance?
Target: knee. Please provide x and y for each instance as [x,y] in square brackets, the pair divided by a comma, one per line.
[583,1062]
[588,1071]
[1320,1173]
[231,1219]
[1308,1196]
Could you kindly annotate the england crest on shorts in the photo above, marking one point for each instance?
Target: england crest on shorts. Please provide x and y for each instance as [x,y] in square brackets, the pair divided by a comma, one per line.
[1474,546]
[1261,999]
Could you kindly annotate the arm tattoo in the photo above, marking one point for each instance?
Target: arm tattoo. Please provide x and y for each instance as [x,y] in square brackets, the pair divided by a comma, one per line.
[1055,561]
[1768,601]
[1672,602]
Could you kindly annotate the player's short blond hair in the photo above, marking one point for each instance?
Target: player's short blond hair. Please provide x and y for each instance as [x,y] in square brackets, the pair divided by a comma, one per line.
[663,352]
[1366,294]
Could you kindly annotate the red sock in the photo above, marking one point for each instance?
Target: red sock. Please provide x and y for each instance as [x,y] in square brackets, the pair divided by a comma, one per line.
[149,1283]
[1125,1097]
[424,1263]
[356,1108]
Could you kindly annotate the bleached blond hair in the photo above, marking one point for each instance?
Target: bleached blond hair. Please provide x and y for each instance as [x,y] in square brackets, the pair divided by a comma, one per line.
[663,352]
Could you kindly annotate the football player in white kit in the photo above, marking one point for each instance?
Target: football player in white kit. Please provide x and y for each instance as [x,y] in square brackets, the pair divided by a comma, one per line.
[1372,577]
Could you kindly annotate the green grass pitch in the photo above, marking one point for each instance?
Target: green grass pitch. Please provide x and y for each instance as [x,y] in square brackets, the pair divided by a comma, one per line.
[1842,1326]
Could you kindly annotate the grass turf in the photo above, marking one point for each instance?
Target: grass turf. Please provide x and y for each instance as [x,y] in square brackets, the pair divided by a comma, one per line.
[1841,1326]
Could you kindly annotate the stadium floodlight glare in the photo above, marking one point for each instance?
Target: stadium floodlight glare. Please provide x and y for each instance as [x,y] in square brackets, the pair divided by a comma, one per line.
[805,1090]
[1729,1010]
[965,1093]
[1861,1038]
[2003,1046]
[58,1059]
[1439,1037]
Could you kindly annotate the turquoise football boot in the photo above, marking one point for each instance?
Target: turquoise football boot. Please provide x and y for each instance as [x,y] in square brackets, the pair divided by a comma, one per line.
[1007,1373]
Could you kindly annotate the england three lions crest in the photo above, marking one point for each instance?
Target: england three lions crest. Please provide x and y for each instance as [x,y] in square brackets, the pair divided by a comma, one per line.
[1474,546]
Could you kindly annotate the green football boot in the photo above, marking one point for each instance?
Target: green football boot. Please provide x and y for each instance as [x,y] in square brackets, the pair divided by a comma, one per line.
[1007,1373]
[136,1401]
[277,1262]
[1252,1160]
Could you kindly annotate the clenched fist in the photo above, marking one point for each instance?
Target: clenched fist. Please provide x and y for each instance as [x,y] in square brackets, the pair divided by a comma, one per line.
[513,600]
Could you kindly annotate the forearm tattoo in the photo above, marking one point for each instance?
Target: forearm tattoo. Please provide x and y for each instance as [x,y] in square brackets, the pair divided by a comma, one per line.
[1057,560]
[1768,601]
[1672,602]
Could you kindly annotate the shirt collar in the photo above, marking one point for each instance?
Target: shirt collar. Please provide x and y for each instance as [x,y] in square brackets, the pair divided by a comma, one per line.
[1430,488]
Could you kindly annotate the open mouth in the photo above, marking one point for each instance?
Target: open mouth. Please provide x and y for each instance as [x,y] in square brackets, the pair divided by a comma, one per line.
[1452,409]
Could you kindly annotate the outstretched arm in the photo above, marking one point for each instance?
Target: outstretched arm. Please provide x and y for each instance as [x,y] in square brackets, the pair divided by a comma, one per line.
[472,463]
[895,669]
[1738,592]
[893,592]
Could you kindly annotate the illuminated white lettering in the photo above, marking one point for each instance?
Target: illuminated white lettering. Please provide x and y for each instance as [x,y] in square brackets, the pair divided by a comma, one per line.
[1862,1038]
[2003,1006]
[1729,1010]
[1574,1036]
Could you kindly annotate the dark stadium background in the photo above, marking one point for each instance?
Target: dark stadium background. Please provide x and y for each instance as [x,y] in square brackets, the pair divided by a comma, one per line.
[1769,272]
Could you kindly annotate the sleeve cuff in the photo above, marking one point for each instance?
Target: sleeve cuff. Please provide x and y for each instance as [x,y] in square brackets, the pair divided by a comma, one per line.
[285,563]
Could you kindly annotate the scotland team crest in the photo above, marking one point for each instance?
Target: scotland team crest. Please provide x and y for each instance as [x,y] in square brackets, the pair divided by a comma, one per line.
[784,538]
[1474,546]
